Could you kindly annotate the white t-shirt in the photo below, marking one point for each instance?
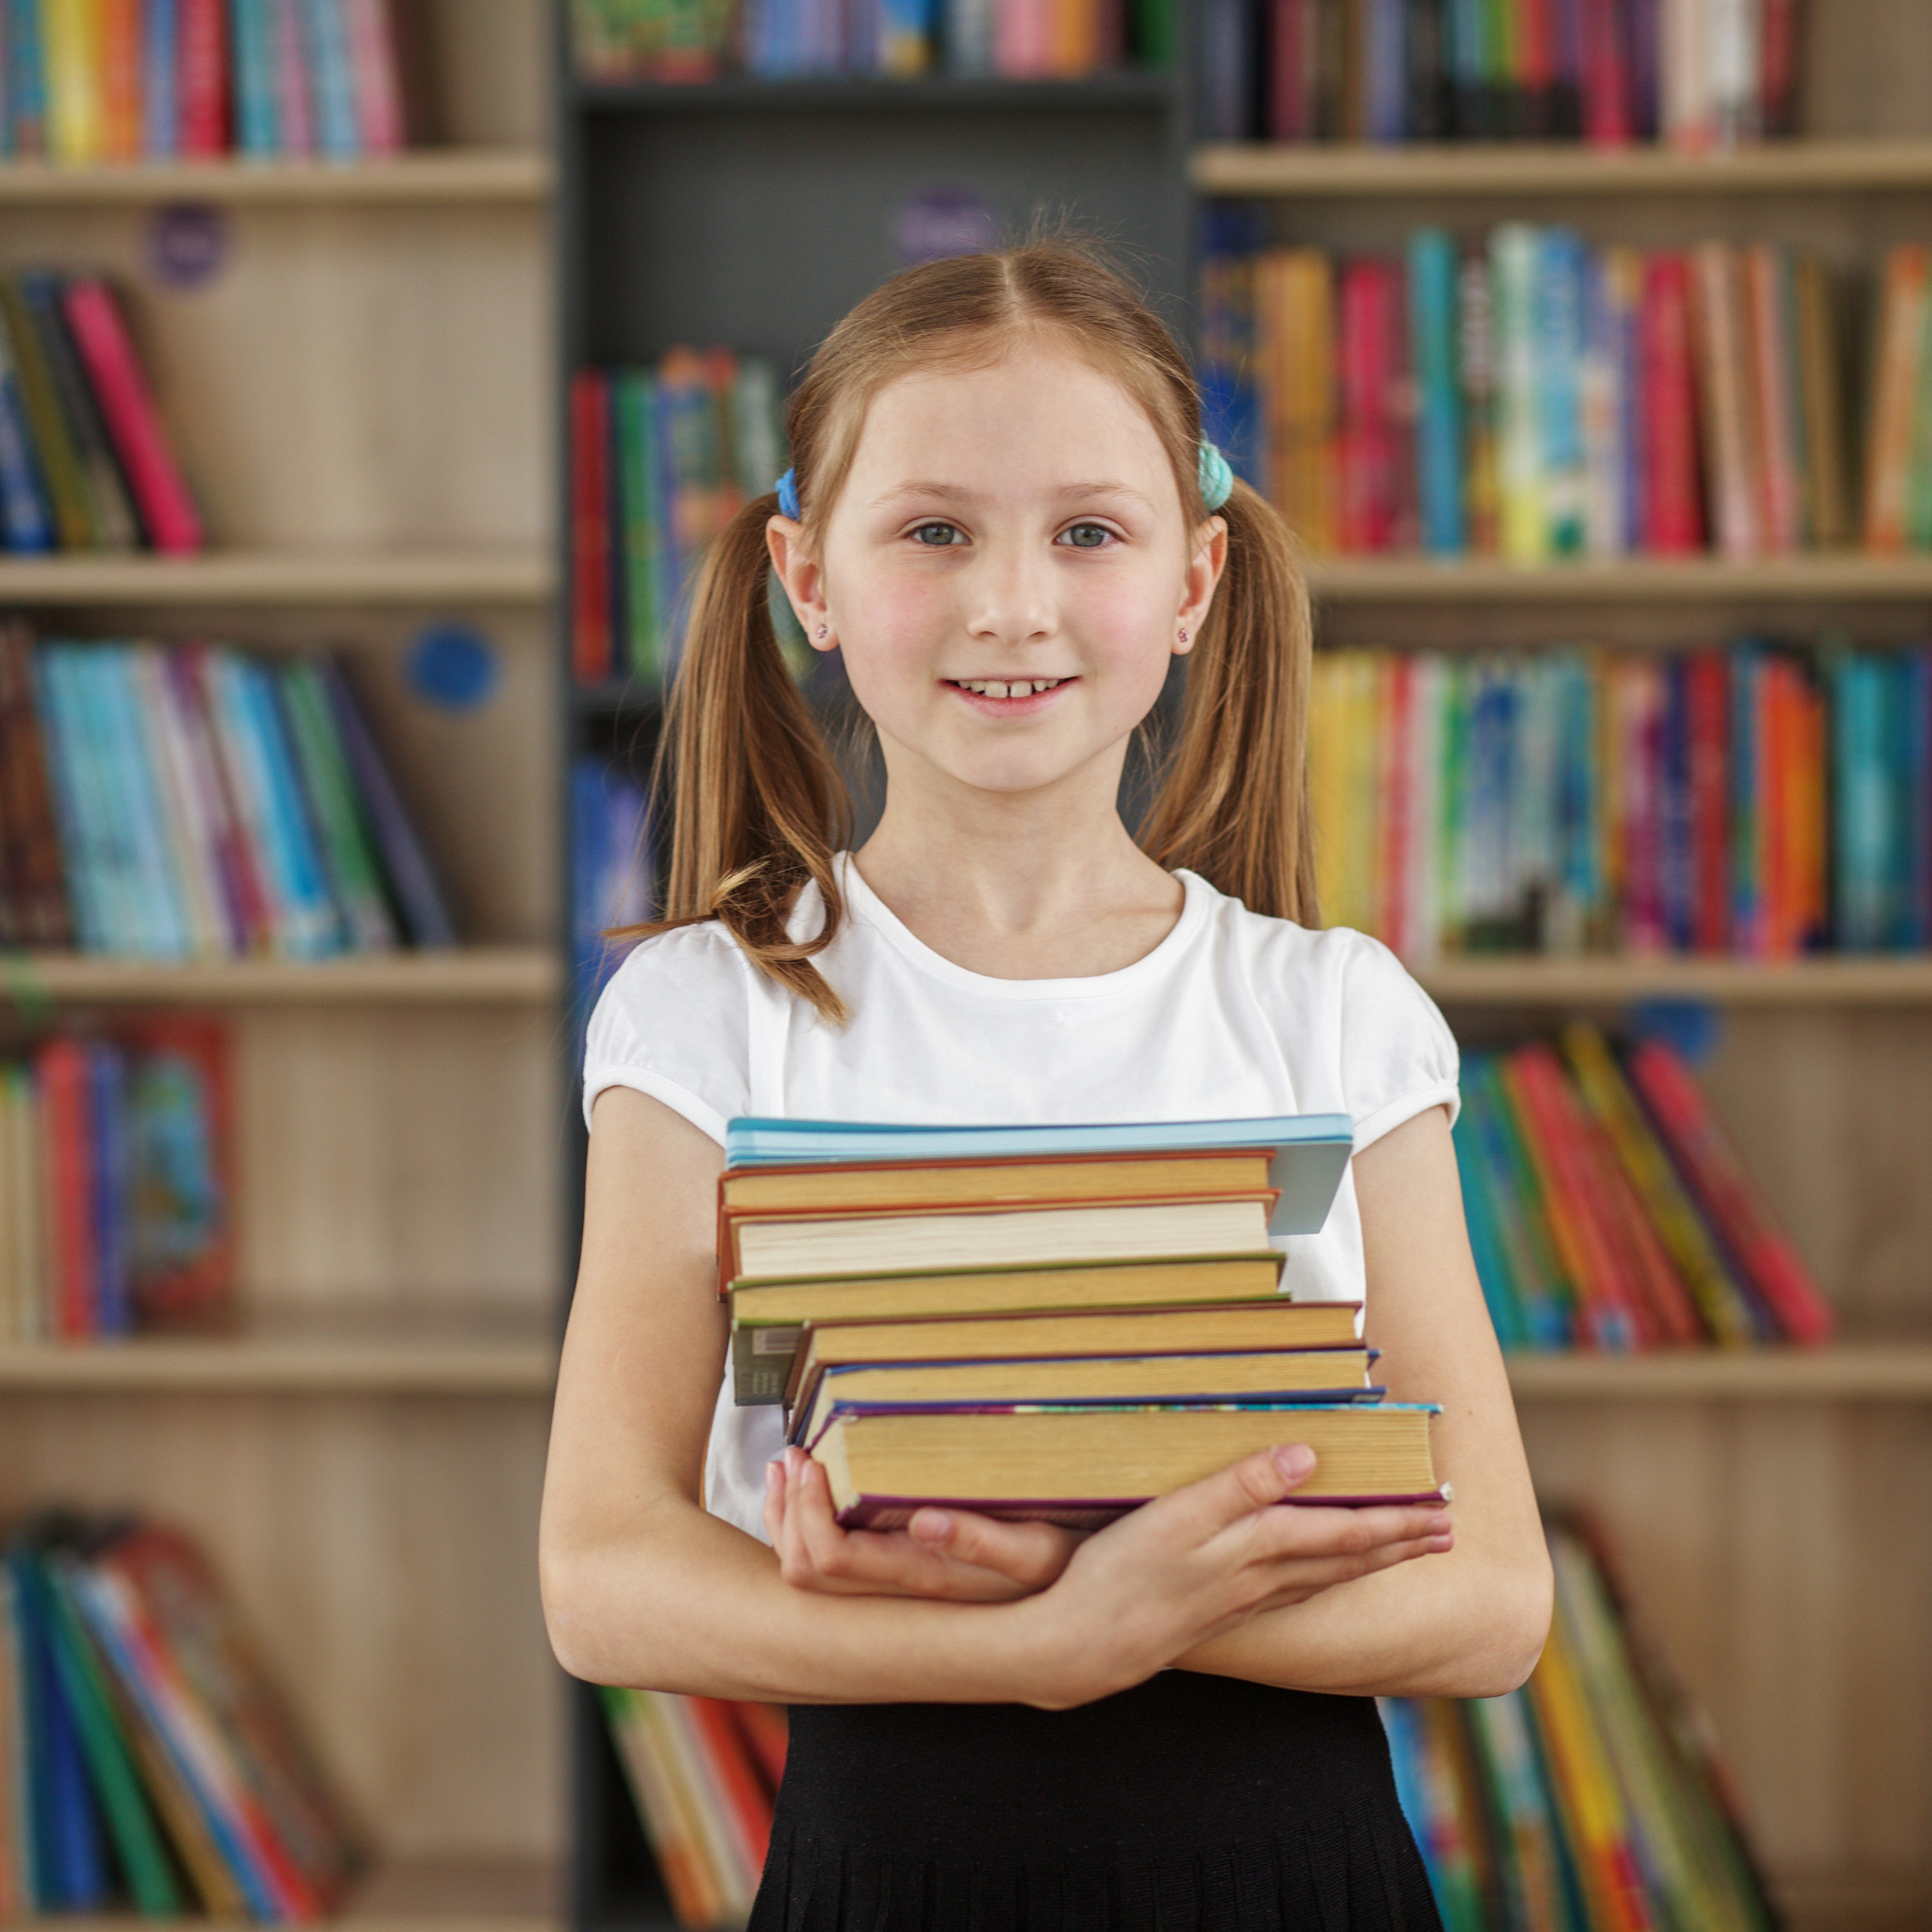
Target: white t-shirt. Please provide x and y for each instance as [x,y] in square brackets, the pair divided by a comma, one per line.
[1232,1014]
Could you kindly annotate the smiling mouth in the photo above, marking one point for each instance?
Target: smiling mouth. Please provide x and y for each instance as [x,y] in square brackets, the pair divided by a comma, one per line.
[1007,686]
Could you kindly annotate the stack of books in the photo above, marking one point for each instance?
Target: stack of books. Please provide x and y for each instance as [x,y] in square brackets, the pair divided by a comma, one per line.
[1607,1209]
[620,41]
[1536,398]
[1590,1799]
[147,1761]
[1697,73]
[190,801]
[703,1775]
[85,460]
[116,1183]
[661,459]
[1049,1323]
[127,80]
[1755,801]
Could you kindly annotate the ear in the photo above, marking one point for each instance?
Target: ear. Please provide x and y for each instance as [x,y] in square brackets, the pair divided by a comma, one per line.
[803,580]
[1198,587]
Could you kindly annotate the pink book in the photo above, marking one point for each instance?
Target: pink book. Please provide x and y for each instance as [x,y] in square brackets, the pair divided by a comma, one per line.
[1288,71]
[294,113]
[373,63]
[1022,38]
[113,372]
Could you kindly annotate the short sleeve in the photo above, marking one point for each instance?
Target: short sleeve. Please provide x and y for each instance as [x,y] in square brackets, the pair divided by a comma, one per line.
[673,1022]
[1398,1056]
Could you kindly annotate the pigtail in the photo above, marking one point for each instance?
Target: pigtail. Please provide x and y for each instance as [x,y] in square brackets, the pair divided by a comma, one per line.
[757,805]
[1233,804]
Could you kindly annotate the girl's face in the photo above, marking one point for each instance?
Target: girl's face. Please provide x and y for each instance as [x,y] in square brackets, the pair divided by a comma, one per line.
[1007,571]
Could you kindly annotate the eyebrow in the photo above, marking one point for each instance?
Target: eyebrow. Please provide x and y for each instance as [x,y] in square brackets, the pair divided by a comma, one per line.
[952,492]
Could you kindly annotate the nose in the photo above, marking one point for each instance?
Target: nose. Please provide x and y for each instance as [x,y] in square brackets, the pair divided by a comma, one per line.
[1012,599]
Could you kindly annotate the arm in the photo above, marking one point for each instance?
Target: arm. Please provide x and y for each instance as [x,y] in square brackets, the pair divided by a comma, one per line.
[1471,1623]
[641,1587]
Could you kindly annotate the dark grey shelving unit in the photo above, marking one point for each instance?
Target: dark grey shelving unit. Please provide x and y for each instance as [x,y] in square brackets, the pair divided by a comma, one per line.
[753,214]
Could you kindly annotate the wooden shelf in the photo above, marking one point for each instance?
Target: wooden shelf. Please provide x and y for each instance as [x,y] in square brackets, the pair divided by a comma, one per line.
[503,575]
[1845,980]
[1846,1370]
[859,92]
[427,1363]
[465,975]
[1451,168]
[1839,577]
[423,176]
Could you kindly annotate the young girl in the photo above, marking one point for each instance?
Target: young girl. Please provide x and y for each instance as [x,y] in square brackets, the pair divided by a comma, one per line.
[1002,514]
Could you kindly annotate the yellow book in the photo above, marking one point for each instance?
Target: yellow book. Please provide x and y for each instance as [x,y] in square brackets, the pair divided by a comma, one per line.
[76,71]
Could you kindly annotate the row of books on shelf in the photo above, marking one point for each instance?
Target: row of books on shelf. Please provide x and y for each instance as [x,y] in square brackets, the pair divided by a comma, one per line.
[662,458]
[124,80]
[1590,1800]
[185,801]
[1696,74]
[1607,1209]
[1050,1323]
[148,1762]
[703,1775]
[1538,399]
[116,1182]
[613,869]
[86,461]
[1021,40]
[1757,801]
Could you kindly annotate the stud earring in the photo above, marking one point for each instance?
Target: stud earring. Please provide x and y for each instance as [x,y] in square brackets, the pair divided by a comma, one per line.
[821,633]
[1184,637]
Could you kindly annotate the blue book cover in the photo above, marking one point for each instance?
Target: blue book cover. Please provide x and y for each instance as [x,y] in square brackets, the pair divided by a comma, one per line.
[316,919]
[1433,270]
[907,36]
[1914,716]
[113,1191]
[161,77]
[1861,807]
[332,78]
[589,832]
[251,70]
[1310,1152]
[969,25]
[163,893]
[1224,76]
[1478,1209]
[1230,405]
[27,522]
[26,79]
[1386,64]
[1747,836]
[80,856]
[90,740]
[1559,347]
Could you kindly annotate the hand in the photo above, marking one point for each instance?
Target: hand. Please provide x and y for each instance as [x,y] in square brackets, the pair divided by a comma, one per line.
[1193,1564]
[942,1552]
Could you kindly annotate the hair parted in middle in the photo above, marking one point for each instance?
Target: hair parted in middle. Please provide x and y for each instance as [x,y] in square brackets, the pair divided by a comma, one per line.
[760,806]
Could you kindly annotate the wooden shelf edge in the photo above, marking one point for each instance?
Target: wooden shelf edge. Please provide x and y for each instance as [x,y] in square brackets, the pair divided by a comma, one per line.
[1848,1371]
[1547,168]
[467,975]
[1135,86]
[1849,979]
[484,174]
[244,1365]
[1838,576]
[502,574]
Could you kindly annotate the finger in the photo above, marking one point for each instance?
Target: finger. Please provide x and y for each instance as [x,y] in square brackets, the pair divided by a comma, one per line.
[812,1500]
[1031,1553]
[1315,1530]
[1256,1482]
[1304,1579]
[774,1502]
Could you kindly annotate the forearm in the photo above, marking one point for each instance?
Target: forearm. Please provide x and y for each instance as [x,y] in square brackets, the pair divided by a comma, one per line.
[1470,1623]
[683,1602]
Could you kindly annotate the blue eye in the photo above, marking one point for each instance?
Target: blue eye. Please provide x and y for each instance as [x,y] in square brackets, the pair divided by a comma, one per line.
[937,536]
[1086,536]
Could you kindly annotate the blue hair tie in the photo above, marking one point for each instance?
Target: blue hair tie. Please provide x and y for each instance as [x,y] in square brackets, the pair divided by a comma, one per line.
[1215,477]
[787,486]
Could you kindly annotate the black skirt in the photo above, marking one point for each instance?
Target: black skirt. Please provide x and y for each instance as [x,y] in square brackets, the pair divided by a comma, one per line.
[1190,1804]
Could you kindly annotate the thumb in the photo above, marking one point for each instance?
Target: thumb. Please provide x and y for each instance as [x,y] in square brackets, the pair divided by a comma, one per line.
[1271,1475]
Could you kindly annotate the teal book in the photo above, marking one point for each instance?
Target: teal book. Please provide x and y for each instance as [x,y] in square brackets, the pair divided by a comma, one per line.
[1433,270]
[163,892]
[641,494]
[1478,1213]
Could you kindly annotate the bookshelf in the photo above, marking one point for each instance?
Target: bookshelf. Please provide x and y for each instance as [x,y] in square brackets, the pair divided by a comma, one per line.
[359,389]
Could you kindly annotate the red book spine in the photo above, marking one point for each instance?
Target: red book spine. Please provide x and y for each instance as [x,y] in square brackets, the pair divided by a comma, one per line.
[1708,694]
[160,493]
[67,1118]
[1784,728]
[1718,1180]
[1288,72]
[1606,75]
[379,83]
[1536,59]
[1777,66]
[1672,511]
[768,1733]
[750,1806]
[204,76]
[589,532]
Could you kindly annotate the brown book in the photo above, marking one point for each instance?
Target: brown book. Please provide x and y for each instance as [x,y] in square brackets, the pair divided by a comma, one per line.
[1895,394]
[1275,1375]
[33,873]
[1725,384]
[768,1317]
[1082,1466]
[1275,1323]
[783,1247]
[1827,511]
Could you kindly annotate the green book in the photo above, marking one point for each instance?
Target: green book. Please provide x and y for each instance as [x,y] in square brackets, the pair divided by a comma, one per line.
[110,1761]
[643,501]
[1919,468]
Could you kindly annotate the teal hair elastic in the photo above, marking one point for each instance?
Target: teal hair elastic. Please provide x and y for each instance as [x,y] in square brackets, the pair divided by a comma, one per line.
[1216,479]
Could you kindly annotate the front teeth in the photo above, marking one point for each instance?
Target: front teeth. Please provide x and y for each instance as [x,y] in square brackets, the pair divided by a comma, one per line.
[993,688]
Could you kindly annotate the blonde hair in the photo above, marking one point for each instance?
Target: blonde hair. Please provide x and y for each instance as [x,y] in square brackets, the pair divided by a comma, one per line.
[760,806]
